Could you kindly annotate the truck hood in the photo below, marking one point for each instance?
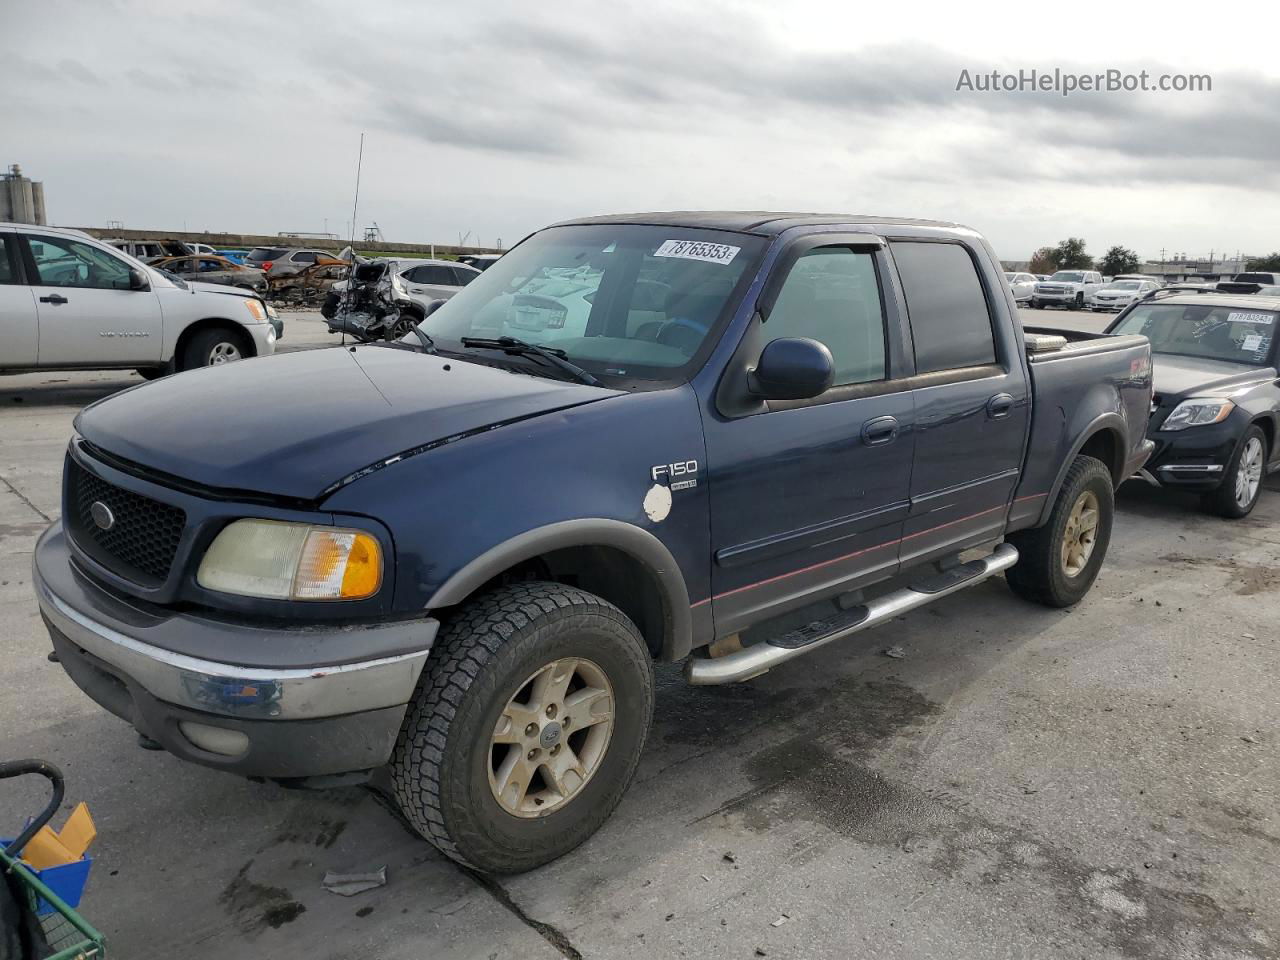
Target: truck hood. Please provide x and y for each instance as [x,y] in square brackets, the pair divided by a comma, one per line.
[294,425]
[1194,377]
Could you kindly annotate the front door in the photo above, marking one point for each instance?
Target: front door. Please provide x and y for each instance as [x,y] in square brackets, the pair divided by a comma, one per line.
[89,315]
[808,497]
[971,401]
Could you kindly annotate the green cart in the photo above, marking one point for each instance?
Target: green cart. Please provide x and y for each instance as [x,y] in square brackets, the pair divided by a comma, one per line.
[36,923]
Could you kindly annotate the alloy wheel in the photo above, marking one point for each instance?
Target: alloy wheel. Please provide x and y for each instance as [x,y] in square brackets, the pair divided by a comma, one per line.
[1081,534]
[1249,472]
[551,737]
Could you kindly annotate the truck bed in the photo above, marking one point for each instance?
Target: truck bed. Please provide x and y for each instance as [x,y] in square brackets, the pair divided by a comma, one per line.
[1079,381]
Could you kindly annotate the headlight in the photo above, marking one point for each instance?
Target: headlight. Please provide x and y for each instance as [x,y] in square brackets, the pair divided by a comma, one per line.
[1195,413]
[292,561]
[256,309]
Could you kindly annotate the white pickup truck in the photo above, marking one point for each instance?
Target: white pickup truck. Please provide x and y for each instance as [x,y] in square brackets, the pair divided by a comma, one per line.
[1066,288]
[70,301]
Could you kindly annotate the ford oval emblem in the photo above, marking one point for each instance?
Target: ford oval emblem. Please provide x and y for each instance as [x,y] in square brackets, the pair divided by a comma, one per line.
[103,518]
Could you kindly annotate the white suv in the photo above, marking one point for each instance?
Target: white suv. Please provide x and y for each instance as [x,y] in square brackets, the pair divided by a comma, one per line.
[1067,288]
[68,300]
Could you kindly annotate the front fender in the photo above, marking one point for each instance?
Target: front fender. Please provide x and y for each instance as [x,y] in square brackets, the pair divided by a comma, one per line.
[585,532]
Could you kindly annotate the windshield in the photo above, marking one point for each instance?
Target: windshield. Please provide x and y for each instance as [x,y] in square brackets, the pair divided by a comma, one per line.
[1068,275]
[1199,330]
[1253,277]
[1010,276]
[1124,285]
[626,301]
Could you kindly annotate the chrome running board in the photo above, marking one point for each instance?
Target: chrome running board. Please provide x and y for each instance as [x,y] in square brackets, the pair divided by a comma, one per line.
[758,658]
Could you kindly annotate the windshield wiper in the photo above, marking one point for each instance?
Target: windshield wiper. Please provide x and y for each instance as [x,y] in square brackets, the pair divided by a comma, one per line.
[428,345]
[521,348]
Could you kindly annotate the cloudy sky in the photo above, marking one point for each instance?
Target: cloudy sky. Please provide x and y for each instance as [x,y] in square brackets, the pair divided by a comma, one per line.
[496,118]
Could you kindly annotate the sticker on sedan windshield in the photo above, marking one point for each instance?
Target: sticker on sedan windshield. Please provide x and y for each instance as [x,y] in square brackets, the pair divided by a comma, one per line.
[697,250]
[1251,343]
[1264,319]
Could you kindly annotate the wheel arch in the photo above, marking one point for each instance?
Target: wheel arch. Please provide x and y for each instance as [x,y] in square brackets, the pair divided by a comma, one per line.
[628,566]
[211,323]
[1103,439]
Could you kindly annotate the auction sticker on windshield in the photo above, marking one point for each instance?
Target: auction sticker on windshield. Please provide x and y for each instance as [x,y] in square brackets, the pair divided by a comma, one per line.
[697,250]
[1265,319]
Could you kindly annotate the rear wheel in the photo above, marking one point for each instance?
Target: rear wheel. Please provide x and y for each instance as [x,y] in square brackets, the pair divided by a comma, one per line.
[522,738]
[402,325]
[1242,480]
[211,348]
[1059,561]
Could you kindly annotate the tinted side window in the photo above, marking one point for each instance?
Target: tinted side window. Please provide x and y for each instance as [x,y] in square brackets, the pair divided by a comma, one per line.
[950,323]
[832,295]
[303,256]
[463,277]
[8,259]
[431,273]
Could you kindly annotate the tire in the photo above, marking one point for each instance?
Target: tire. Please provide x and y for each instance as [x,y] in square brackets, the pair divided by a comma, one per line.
[445,764]
[152,373]
[1036,304]
[213,347]
[401,326]
[1042,573]
[1079,301]
[1236,497]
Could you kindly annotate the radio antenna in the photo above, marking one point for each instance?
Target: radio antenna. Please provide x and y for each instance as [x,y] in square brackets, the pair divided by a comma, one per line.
[351,242]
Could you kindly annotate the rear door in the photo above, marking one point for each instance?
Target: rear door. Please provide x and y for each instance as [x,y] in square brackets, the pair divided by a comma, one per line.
[808,497]
[432,281]
[971,400]
[19,331]
[88,313]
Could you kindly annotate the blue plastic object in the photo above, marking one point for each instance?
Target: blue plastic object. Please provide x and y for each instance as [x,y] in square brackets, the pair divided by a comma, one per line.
[67,881]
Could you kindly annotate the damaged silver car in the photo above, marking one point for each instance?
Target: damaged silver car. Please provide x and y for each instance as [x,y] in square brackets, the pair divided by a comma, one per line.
[372,306]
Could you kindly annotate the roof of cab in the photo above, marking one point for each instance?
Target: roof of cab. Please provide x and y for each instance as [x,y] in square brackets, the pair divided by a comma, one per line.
[760,222]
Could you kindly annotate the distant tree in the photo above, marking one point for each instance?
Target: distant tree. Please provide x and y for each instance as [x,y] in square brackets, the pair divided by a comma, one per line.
[1071,256]
[1044,260]
[1120,260]
[1271,263]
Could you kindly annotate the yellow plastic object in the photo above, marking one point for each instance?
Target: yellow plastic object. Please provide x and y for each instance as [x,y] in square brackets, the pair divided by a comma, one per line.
[50,848]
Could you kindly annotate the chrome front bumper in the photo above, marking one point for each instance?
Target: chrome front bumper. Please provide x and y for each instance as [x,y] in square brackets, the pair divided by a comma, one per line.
[295,721]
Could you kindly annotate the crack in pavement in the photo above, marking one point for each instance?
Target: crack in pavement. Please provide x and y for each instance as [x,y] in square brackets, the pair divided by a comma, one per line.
[547,931]
[23,497]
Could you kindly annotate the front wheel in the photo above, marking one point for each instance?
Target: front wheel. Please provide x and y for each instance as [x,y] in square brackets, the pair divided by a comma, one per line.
[526,729]
[401,326]
[1036,304]
[1059,561]
[1079,301]
[1242,480]
[211,348]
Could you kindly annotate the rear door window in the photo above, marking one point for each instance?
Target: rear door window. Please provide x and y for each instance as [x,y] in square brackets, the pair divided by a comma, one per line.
[950,320]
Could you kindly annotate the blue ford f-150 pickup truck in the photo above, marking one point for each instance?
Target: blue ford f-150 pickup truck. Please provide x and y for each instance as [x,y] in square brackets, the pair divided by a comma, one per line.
[720,438]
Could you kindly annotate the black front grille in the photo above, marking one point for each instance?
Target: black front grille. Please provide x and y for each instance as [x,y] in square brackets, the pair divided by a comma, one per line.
[141,542]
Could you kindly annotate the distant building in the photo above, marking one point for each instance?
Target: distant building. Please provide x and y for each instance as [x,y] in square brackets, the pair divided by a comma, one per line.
[21,200]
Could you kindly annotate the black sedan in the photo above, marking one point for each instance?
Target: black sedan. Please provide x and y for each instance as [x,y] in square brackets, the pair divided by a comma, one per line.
[1217,403]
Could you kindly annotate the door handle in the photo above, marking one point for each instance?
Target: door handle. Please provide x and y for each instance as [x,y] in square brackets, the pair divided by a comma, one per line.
[999,406]
[879,430]
[54,298]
